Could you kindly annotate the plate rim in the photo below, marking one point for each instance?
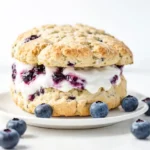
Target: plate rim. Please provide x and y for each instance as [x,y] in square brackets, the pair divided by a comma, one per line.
[79,121]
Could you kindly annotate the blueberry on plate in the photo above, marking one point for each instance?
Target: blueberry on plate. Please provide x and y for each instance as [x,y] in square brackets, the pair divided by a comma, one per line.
[9,138]
[141,129]
[17,124]
[99,110]
[147,101]
[129,103]
[43,111]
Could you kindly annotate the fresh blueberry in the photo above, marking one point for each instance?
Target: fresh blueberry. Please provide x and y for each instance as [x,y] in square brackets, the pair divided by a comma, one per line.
[147,101]
[9,138]
[17,124]
[129,103]
[141,129]
[99,110]
[43,111]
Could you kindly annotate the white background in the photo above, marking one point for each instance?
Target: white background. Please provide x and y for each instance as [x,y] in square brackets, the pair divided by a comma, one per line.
[128,20]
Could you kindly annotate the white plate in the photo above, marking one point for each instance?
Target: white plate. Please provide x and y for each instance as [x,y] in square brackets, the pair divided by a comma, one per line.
[9,109]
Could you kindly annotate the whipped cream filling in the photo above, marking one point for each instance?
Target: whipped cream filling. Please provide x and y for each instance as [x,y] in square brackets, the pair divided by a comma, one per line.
[64,79]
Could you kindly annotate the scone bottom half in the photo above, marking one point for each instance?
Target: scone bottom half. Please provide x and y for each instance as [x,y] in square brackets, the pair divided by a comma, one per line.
[57,65]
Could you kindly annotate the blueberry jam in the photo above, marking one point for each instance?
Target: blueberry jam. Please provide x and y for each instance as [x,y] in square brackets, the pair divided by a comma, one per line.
[39,69]
[37,93]
[30,75]
[14,72]
[114,79]
[32,37]
[58,76]
[36,78]
[31,97]
[75,81]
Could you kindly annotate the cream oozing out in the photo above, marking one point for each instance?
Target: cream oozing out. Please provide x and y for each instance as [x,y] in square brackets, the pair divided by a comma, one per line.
[66,79]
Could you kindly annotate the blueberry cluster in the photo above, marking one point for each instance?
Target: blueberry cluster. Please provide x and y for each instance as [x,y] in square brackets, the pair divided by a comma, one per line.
[10,136]
[30,75]
[58,76]
[100,110]
[141,128]
[75,81]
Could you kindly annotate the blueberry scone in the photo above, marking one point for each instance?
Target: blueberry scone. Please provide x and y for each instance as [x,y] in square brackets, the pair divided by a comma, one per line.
[69,68]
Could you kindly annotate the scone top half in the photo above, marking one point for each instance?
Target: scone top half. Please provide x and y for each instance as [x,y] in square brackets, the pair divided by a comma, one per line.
[67,57]
[80,45]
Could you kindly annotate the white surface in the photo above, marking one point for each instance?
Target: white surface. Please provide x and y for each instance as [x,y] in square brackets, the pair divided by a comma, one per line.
[126,19]
[113,117]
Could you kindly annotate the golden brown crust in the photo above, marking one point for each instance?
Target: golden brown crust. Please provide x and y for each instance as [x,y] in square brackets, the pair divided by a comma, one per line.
[81,45]
[62,106]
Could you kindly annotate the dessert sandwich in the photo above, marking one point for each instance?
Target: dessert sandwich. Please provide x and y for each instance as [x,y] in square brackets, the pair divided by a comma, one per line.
[69,68]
